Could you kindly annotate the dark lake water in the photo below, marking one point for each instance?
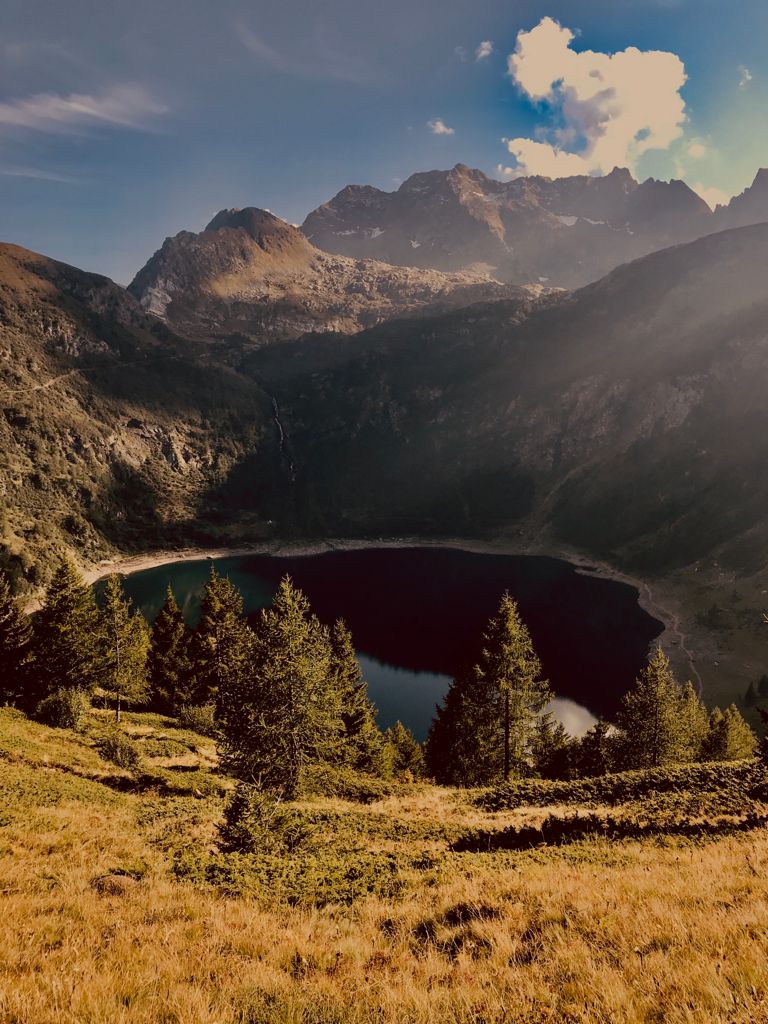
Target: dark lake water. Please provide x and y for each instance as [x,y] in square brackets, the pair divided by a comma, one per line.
[417,615]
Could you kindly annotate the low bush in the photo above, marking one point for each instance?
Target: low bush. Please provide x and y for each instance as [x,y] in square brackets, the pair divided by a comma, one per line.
[120,749]
[326,780]
[736,779]
[199,718]
[557,830]
[307,878]
[256,822]
[64,709]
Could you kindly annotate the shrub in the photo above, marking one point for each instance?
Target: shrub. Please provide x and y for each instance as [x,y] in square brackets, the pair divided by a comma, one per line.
[64,709]
[736,778]
[340,781]
[120,749]
[257,822]
[199,718]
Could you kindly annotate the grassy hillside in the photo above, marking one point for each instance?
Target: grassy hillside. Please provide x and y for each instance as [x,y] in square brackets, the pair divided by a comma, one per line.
[118,905]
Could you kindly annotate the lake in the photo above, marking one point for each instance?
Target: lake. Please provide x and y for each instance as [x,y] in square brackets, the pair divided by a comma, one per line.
[417,615]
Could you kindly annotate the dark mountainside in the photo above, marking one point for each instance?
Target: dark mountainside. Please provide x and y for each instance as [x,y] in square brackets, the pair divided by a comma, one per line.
[113,432]
[253,276]
[563,233]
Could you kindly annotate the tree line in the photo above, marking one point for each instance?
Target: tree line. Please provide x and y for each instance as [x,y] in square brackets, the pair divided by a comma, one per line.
[287,692]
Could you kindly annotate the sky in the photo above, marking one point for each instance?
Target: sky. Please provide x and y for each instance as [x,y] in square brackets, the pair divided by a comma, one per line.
[121,124]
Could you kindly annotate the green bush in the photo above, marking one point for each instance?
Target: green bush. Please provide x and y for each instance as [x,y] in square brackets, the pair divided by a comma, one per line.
[307,878]
[256,822]
[64,709]
[199,718]
[120,749]
[328,780]
[737,779]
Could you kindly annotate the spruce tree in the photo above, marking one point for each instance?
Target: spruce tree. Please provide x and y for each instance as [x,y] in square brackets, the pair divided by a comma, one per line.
[693,725]
[285,712]
[363,743]
[729,737]
[169,667]
[551,748]
[595,751]
[126,640]
[67,640]
[650,717]
[15,648]
[486,723]
[222,642]
[404,753]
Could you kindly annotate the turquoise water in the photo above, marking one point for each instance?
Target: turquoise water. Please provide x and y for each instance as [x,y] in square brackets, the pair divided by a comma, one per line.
[417,615]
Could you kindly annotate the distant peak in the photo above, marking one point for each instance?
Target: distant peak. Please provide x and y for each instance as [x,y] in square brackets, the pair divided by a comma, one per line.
[761,179]
[251,219]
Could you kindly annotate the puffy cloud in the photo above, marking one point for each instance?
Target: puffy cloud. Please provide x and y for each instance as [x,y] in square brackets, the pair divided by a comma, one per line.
[484,50]
[745,76]
[612,107]
[125,105]
[697,150]
[713,196]
[439,127]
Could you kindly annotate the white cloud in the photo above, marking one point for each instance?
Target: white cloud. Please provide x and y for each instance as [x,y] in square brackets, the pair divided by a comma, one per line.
[613,107]
[126,105]
[461,53]
[439,127]
[484,50]
[36,174]
[745,76]
[713,196]
[697,150]
[315,57]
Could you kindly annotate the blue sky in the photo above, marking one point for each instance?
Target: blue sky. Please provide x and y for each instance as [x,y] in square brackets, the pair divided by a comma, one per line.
[121,124]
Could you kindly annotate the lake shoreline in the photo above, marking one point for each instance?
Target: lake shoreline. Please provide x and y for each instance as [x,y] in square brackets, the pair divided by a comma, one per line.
[582,563]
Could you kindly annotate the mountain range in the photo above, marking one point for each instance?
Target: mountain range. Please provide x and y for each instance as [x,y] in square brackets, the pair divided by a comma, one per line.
[625,419]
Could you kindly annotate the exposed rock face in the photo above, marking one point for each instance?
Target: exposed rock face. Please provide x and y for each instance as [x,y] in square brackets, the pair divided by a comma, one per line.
[252,275]
[750,207]
[564,232]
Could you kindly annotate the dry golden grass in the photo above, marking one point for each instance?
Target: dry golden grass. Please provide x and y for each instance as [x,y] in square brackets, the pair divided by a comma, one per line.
[596,932]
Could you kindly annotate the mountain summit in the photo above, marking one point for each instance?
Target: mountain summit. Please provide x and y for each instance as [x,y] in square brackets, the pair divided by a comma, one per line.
[251,274]
[561,232]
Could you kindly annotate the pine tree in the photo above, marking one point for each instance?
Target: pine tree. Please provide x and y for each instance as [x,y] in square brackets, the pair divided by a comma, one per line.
[169,667]
[486,723]
[15,647]
[363,743]
[404,753]
[285,713]
[693,725]
[595,751]
[650,717]
[551,748]
[222,643]
[729,737]
[463,746]
[67,641]
[751,697]
[762,686]
[126,645]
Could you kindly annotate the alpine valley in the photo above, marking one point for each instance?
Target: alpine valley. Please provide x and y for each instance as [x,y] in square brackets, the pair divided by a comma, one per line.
[575,366]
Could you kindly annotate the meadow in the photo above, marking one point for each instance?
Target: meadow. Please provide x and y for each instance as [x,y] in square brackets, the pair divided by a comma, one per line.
[119,906]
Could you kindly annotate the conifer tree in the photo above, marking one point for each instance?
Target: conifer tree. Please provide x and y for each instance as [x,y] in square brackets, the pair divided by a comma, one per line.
[486,723]
[67,640]
[363,743]
[285,713]
[222,643]
[403,751]
[15,647]
[169,667]
[594,753]
[729,737]
[693,725]
[551,748]
[650,716]
[126,645]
